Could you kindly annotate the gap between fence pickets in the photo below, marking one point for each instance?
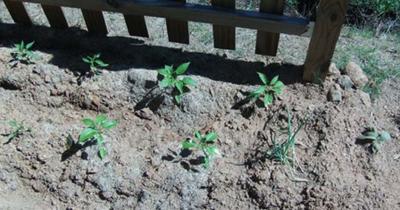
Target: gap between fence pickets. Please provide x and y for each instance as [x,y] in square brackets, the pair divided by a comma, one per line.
[191,12]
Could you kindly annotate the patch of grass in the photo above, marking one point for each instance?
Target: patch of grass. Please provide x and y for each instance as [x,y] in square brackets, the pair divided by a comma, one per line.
[23,53]
[94,131]
[205,143]
[95,63]
[18,129]
[268,91]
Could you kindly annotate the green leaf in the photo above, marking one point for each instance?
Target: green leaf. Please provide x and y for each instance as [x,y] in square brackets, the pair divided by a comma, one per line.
[180,85]
[188,144]
[97,55]
[102,152]
[182,68]
[198,136]
[29,45]
[211,137]
[87,134]
[212,150]
[189,81]
[89,122]
[99,139]
[278,85]
[100,119]
[165,72]
[101,63]
[262,77]
[274,80]
[178,99]
[385,136]
[268,99]
[166,83]
[86,60]
[108,124]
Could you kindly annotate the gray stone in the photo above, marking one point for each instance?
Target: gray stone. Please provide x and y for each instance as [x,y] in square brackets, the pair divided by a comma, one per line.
[335,94]
[345,82]
[356,74]
[333,70]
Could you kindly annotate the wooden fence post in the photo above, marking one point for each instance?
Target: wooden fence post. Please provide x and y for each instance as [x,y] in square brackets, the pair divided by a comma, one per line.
[178,31]
[330,18]
[224,36]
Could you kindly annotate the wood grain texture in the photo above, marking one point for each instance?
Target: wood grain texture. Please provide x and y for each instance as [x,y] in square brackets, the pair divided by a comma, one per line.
[192,12]
[224,36]
[136,25]
[55,16]
[330,18]
[18,12]
[95,21]
[267,42]
[178,30]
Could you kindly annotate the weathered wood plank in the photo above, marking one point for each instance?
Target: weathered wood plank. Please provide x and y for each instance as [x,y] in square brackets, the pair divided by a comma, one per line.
[55,16]
[178,31]
[192,12]
[224,36]
[267,43]
[136,25]
[330,18]
[95,21]
[18,12]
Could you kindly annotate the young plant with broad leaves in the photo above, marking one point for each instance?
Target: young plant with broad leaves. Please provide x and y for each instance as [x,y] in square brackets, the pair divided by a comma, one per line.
[268,91]
[170,79]
[18,129]
[95,130]
[375,138]
[23,53]
[205,143]
[95,63]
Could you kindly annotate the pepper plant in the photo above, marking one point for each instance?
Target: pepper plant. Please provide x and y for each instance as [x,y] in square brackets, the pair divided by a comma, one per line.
[268,91]
[375,138]
[18,129]
[205,143]
[170,80]
[23,52]
[94,131]
[95,63]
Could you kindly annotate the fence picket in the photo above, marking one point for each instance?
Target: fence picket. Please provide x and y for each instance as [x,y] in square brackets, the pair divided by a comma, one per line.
[18,12]
[55,16]
[224,36]
[136,25]
[267,42]
[95,21]
[178,31]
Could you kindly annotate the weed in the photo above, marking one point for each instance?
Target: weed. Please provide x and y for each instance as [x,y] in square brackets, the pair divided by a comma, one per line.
[95,63]
[205,143]
[375,138]
[95,130]
[18,129]
[170,80]
[285,152]
[269,90]
[23,53]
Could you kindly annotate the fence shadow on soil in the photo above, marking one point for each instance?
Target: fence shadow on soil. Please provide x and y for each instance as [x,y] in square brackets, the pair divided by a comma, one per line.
[122,53]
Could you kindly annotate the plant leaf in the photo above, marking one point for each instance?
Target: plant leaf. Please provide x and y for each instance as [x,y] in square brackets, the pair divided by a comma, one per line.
[263,78]
[101,63]
[86,60]
[102,152]
[182,68]
[198,136]
[87,134]
[166,83]
[274,80]
[100,119]
[179,85]
[89,122]
[165,72]
[212,151]
[178,99]
[211,137]
[108,124]
[188,144]
[268,99]
[385,136]
[29,45]
[189,81]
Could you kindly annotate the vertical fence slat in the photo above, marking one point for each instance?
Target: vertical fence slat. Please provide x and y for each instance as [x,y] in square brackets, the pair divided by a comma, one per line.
[330,18]
[94,21]
[18,12]
[267,43]
[136,25]
[55,16]
[224,36]
[178,31]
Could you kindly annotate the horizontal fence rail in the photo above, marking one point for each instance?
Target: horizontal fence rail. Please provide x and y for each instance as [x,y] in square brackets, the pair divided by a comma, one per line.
[269,22]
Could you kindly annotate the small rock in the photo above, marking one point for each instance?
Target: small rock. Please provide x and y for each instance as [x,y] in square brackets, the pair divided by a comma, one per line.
[345,82]
[365,98]
[356,74]
[335,94]
[333,70]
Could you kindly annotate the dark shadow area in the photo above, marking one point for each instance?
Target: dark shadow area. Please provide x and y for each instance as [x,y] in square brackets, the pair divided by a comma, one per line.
[69,46]
[184,160]
[74,147]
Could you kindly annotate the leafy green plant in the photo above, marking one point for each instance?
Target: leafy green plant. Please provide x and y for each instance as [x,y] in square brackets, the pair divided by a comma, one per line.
[170,80]
[95,63]
[18,129]
[95,130]
[205,143]
[284,152]
[268,91]
[23,52]
[375,138]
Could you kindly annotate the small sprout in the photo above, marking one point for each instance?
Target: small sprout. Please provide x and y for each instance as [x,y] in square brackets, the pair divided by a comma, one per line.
[205,143]
[95,63]
[23,53]
[375,138]
[170,80]
[18,129]
[268,91]
[285,152]
[94,131]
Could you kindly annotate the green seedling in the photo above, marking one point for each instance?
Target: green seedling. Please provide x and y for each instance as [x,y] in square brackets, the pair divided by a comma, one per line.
[95,63]
[170,80]
[284,152]
[18,129]
[95,130]
[205,143]
[23,52]
[268,91]
[375,138]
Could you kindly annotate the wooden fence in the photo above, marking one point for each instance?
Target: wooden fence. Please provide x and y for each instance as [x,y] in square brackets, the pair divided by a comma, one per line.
[269,22]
